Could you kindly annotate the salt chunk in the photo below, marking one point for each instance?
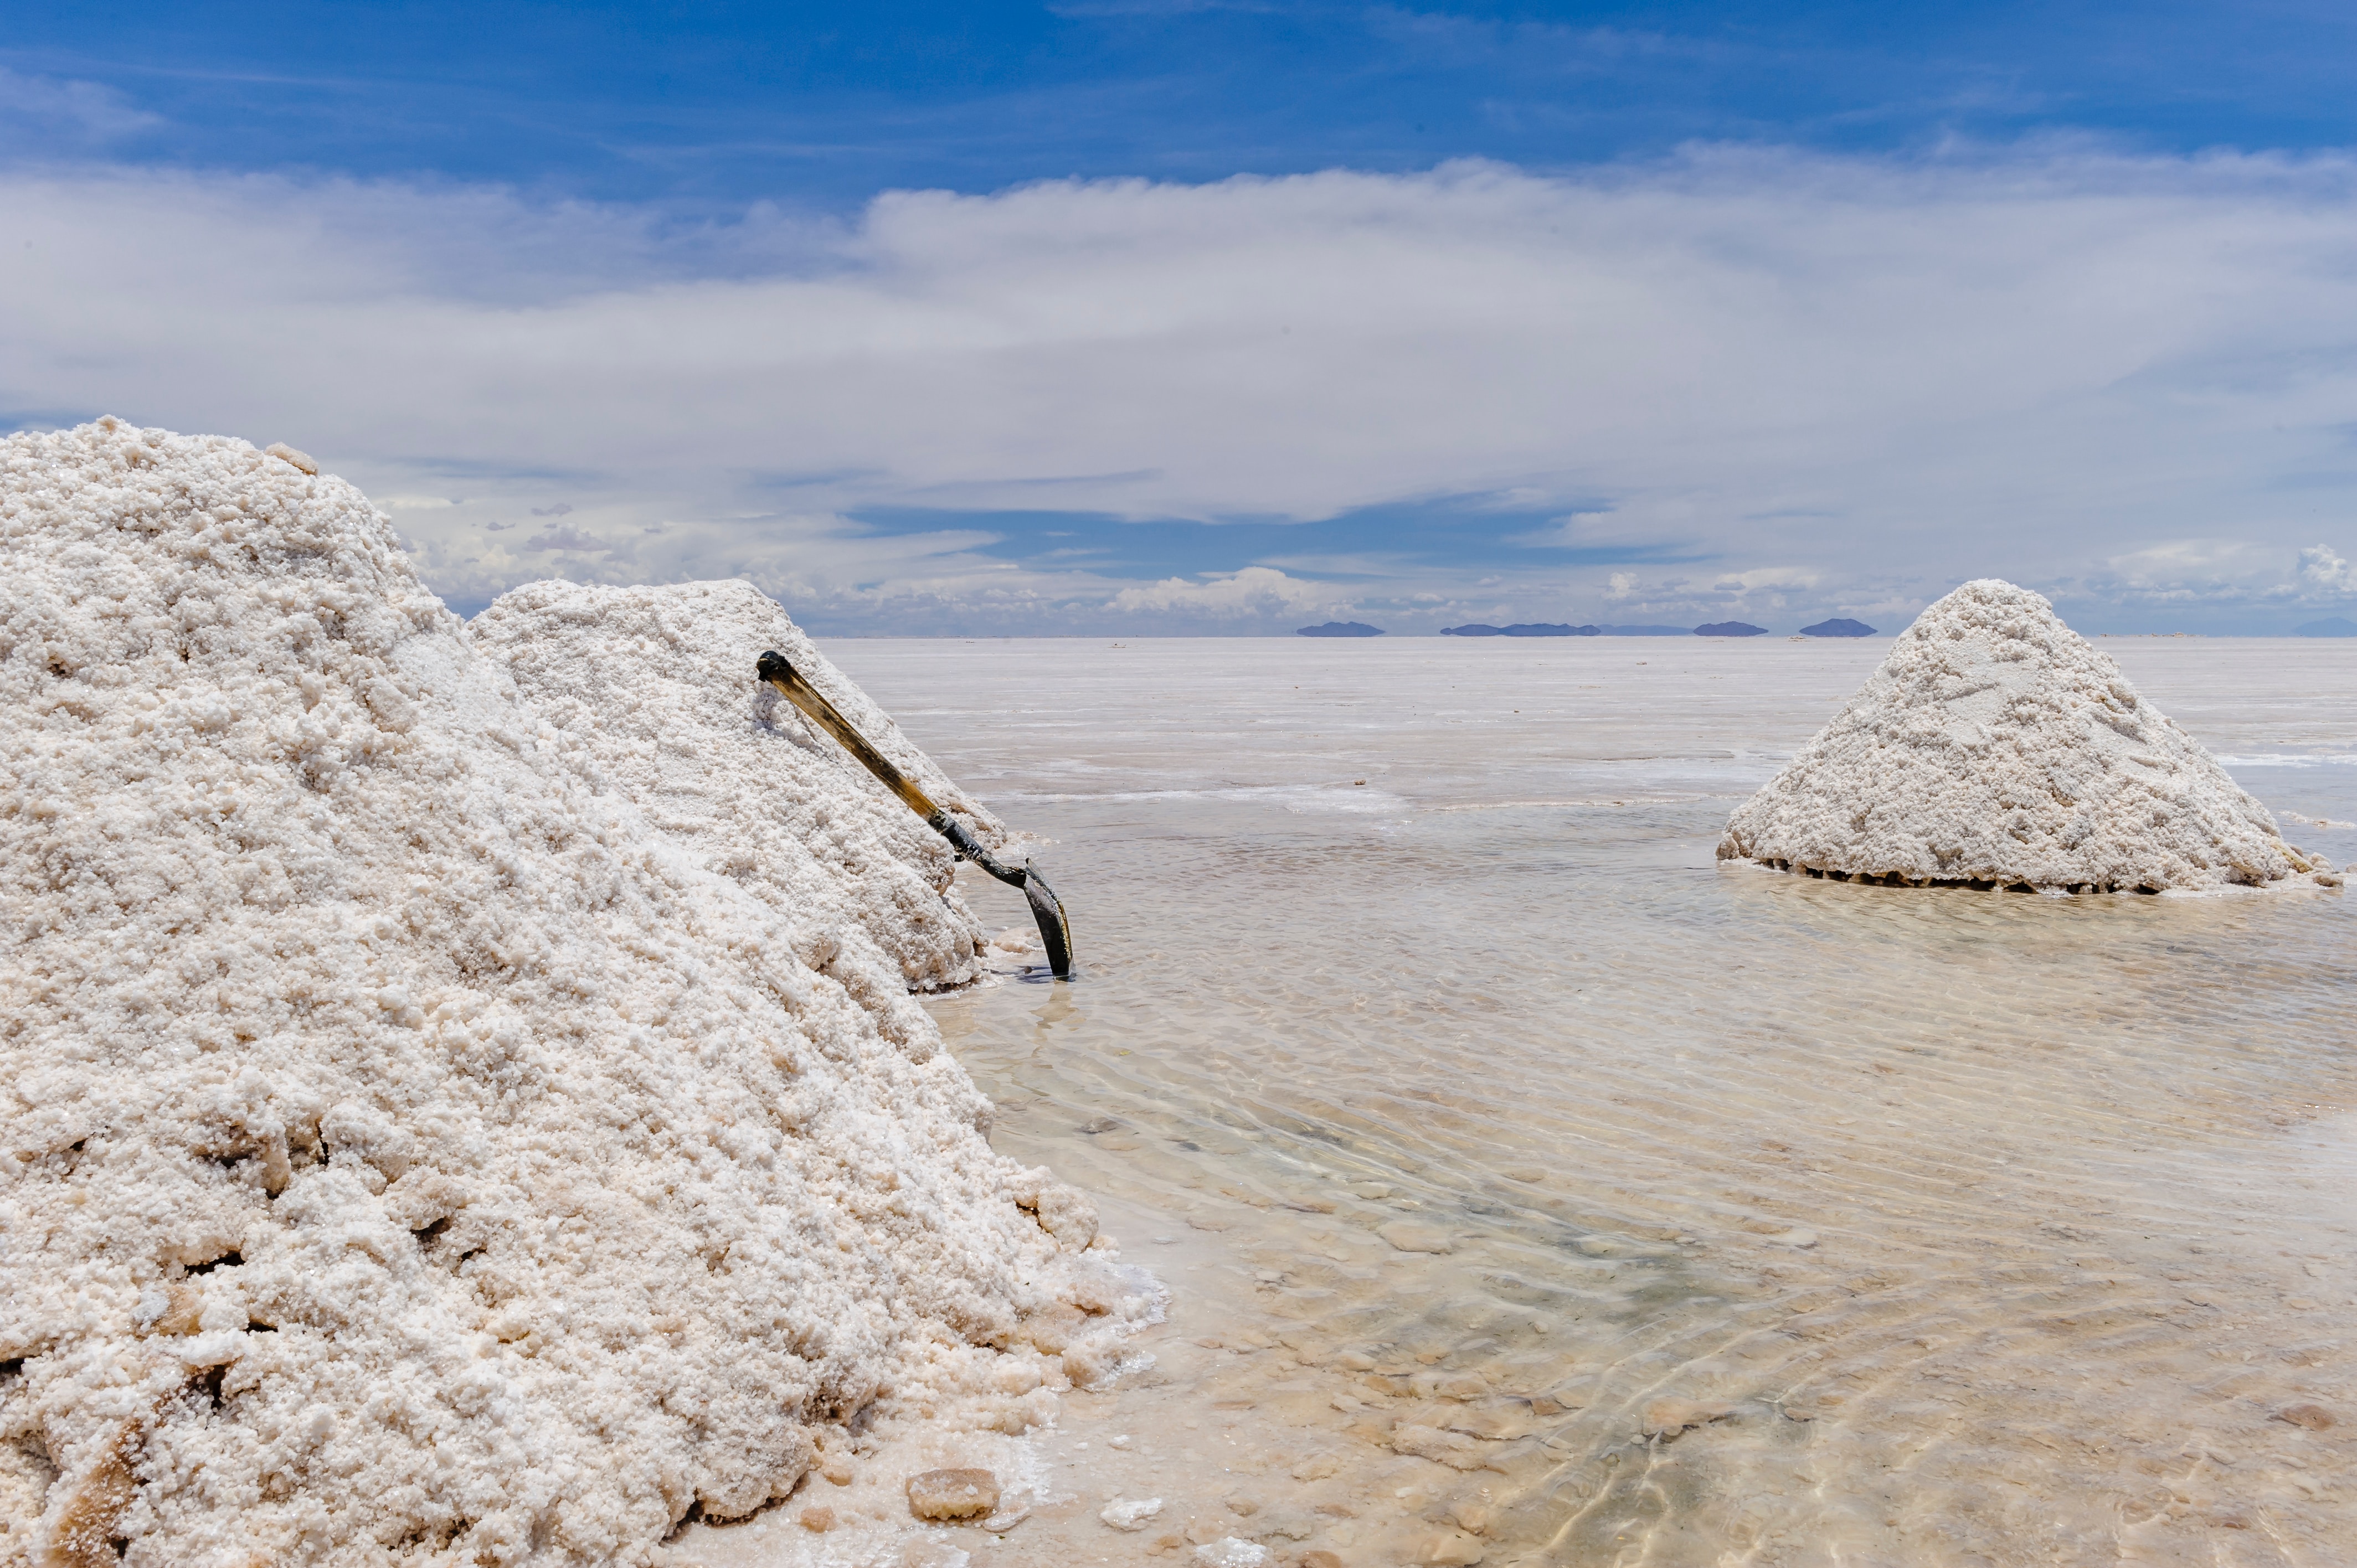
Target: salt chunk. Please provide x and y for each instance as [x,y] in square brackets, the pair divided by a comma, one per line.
[161,1309]
[1097,1362]
[212,1348]
[1068,1216]
[1012,1510]
[1130,1514]
[1453,1449]
[952,1494]
[1228,1551]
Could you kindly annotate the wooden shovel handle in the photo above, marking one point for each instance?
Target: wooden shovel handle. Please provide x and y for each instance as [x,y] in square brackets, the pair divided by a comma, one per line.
[1047,910]
[790,683]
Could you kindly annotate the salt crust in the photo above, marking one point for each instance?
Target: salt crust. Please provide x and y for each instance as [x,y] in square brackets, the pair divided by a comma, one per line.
[656,684]
[412,1149]
[1995,746]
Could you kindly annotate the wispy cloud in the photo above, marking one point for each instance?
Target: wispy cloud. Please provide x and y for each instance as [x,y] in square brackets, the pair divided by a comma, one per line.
[54,114]
[567,539]
[1819,383]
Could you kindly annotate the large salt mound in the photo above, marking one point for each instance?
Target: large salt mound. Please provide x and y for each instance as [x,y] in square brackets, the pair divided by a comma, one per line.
[656,684]
[1996,746]
[410,1149]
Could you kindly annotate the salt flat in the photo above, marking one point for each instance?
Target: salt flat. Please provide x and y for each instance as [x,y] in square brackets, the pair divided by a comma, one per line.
[1479,1118]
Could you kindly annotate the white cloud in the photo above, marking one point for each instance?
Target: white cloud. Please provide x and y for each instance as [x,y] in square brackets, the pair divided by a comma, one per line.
[2322,569]
[1885,377]
[1256,592]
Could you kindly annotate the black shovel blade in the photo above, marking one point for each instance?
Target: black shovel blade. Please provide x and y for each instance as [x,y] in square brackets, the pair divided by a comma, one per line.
[1049,910]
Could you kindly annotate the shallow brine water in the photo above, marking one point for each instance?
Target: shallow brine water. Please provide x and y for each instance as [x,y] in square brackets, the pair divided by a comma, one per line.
[1533,1188]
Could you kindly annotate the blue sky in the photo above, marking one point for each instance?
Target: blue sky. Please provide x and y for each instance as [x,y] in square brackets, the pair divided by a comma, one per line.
[704,108]
[1126,316]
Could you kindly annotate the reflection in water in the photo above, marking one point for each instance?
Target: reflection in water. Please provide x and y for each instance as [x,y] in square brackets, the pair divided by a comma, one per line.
[1055,1012]
[1534,1189]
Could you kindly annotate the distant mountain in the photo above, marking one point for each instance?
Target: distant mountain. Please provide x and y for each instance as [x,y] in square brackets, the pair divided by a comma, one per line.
[1520,629]
[2331,626]
[1646,631]
[1341,628]
[1730,628]
[1838,627]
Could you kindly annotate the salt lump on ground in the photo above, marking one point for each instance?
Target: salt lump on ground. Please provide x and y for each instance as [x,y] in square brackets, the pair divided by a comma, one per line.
[410,1148]
[656,684]
[1995,746]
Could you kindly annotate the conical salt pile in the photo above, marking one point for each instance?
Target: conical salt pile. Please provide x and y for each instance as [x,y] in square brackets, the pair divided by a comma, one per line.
[416,1144]
[1996,746]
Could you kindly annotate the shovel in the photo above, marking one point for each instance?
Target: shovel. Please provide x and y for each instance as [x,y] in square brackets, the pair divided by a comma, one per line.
[1046,907]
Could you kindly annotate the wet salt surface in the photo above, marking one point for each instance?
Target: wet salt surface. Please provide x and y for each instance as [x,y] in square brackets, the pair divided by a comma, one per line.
[1534,1189]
